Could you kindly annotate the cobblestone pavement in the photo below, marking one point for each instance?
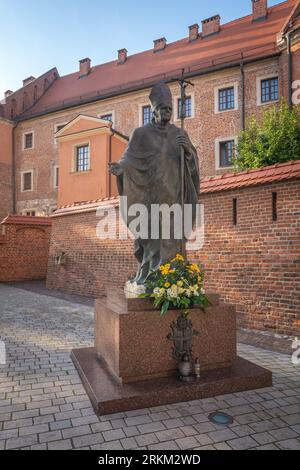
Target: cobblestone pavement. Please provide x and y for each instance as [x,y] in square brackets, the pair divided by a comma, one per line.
[44,406]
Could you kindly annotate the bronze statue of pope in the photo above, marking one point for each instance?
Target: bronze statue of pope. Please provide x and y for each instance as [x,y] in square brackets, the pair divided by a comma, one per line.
[150,173]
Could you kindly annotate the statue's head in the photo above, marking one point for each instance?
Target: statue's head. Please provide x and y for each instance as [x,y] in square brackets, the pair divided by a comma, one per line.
[161,100]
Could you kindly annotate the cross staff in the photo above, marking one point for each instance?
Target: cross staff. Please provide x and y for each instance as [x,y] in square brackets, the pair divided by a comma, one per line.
[183,85]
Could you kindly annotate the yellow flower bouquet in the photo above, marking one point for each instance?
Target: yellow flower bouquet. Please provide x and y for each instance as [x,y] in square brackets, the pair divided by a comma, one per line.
[177,284]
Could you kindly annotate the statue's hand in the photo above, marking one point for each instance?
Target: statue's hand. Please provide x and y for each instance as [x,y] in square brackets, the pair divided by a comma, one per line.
[115,169]
[183,141]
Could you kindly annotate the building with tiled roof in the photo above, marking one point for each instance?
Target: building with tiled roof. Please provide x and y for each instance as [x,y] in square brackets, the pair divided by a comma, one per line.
[238,70]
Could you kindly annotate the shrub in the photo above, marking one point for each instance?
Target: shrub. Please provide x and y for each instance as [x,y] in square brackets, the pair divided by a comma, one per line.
[276,139]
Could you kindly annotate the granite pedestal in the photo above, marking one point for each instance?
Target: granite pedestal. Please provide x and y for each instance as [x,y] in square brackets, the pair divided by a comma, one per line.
[131,365]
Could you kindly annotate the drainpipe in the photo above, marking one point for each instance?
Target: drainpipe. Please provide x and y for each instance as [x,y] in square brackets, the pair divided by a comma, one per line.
[13,173]
[290,68]
[243,95]
[110,161]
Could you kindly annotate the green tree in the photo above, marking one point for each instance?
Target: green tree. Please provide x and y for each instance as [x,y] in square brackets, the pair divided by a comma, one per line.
[276,139]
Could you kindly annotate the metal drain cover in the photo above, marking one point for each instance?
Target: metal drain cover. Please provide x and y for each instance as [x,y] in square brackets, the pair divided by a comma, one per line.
[220,418]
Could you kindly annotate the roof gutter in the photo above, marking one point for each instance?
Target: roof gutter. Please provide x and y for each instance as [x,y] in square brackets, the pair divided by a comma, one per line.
[145,86]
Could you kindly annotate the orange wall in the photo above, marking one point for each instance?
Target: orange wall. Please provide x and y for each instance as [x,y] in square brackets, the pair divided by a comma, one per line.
[6,142]
[93,184]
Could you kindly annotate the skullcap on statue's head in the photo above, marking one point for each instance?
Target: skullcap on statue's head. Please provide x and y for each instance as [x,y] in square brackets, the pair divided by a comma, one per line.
[160,95]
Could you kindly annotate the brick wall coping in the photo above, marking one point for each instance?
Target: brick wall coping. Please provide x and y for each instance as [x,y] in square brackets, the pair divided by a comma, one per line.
[257,176]
[26,220]
[229,181]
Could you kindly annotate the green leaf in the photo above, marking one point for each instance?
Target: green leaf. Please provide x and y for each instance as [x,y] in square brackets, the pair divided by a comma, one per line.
[165,308]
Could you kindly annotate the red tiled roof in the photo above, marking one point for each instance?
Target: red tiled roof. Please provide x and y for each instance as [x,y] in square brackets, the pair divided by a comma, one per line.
[26,220]
[270,174]
[239,39]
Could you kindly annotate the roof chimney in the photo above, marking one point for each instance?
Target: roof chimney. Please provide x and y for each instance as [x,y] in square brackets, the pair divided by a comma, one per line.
[84,67]
[193,32]
[211,26]
[259,10]
[8,93]
[28,80]
[159,44]
[122,56]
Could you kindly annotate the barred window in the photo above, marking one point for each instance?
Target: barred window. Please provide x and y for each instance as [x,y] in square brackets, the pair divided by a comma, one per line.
[269,90]
[107,117]
[226,99]
[28,140]
[83,158]
[147,114]
[226,153]
[188,107]
[27,181]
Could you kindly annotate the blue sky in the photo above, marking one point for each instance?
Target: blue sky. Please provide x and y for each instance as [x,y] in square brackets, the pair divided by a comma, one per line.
[37,35]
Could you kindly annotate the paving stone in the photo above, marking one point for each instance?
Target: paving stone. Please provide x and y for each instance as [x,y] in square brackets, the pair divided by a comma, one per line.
[65,424]
[18,442]
[131,431]
[267,447]
[77,431]
[113,435]
[99,427]
[39,447]
[113,445]
[242,443]
[283,433]
[38,428]
[187,443]
[151,427]
[170,445]
[138,420]
[146,439]
[128,443]
[289,444]
[65,444]
[173,423]
[170,434]
[222,435]
[50,436]
[222,446]
[89,440]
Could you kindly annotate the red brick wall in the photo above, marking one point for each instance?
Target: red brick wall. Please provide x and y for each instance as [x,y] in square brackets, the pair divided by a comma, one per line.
[24,248]
[254,265]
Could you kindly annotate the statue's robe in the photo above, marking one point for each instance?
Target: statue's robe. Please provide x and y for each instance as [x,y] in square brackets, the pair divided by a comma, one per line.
[152,175]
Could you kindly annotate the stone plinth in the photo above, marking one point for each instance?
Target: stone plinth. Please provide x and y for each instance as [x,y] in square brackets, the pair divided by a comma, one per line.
[109,396]
[130,337]
[131,366]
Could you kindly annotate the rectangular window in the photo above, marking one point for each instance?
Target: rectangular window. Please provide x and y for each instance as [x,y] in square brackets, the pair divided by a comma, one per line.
[147,115]
[29,213]
[27,181]
[28,140]
[56,175]
[226,99]
[188,107]
[107,117]
[83,158]
[274,207]
[226,153]
[269,90]
[234,212]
